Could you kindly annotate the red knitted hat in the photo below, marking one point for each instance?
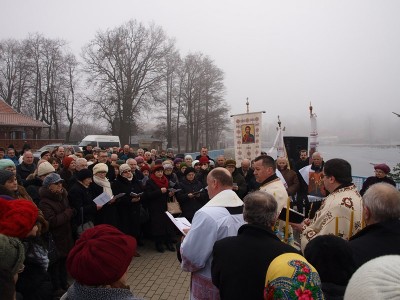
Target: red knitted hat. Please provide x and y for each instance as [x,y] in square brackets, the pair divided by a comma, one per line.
[67,161]
[101,256]
[145,167]
[204,160]
[157,167]
[17,217]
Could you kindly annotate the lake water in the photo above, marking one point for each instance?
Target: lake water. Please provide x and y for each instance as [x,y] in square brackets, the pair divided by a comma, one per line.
[361,157]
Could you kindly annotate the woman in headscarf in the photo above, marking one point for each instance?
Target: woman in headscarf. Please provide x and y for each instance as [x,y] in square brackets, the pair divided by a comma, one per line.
[156,196]
[291,276]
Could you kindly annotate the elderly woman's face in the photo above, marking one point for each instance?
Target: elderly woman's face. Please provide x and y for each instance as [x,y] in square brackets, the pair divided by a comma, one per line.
[380,173]
[101,174]
[159,173]
[168,171]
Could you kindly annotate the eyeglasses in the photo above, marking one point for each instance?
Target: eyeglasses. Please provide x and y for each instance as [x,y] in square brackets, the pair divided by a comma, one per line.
[127,171]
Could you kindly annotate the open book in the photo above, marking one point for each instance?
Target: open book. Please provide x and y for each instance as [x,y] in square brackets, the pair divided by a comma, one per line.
[180,223]
[104,198]
[294,216]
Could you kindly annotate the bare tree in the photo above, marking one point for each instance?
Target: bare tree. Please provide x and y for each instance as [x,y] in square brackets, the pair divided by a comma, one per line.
[123,65]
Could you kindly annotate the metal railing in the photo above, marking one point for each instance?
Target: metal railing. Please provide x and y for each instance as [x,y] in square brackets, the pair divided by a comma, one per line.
[359,180]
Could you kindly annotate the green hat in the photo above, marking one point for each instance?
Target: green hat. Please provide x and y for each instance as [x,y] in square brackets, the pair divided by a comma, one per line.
[5,163]
[12,253]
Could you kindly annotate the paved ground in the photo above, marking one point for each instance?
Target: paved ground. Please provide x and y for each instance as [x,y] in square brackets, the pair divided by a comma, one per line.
[157,275]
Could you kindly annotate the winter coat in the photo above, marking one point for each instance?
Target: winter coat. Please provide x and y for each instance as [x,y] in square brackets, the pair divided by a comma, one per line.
[58,213]
[81,199]
[79,292]
[188,205]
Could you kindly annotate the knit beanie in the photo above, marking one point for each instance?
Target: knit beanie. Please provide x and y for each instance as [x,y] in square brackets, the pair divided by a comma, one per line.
[123,168]
[100,167]
[44,153]
[17,217]
[378,278]
[12,253]
[101,256]
[83,174]
[177,160]
[5,163]
[182,165]
[67,161]
[168,166]
[5,175]
[383,167]
[139,159]
[52,178]
[45,168]
[195,162]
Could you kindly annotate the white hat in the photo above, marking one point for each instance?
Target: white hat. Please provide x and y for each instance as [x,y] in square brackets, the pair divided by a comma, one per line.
[100,167]
[45,168]
[378,278]
[194,162]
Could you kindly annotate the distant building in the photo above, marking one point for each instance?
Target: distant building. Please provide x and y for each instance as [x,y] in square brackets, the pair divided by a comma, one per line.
[145,141]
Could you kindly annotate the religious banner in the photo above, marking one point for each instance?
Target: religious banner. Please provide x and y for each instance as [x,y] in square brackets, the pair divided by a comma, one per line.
[247,136]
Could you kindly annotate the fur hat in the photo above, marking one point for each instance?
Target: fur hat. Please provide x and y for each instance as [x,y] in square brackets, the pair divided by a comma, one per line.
[123,168]
[5,175]
[189,170]
[204,160]
[67,161]
[12,253]
[383,167]
[45,168]
[17,217]
[100,256]
[52,178]
[83,174]
[168,166]
[376,279]
[230,162]
[100,167]
[5,163]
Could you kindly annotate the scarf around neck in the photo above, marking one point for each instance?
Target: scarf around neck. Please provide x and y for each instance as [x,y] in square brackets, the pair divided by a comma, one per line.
[104,183]
[160,182]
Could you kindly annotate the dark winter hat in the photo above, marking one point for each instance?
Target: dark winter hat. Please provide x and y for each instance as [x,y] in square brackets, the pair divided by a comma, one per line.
[52,178]
[145,167]
[332,257]
[101,256]
[230,162]
[5,175]
[44,153]
[5,163]
[67,161]
[83,174]
[17,217]
[204,160]
[12,253]
[189,170]
[182,165]
[158,162]
[156,168]
[177,160]
[383,167]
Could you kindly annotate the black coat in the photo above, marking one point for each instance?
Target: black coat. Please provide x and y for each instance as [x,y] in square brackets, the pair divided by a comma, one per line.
[372,180]
[24,170]
[376,240]
[81,199]
[108,214]
[240,263]
[156,202]
[188,205]
[128,211]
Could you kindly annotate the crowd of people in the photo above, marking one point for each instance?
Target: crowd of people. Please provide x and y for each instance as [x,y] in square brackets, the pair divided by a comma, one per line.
[54,220]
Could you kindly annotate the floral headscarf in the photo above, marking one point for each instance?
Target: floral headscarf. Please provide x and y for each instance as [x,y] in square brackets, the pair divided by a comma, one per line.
[291,276]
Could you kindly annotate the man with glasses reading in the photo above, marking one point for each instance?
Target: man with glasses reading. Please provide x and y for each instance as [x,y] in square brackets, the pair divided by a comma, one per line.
[341,210]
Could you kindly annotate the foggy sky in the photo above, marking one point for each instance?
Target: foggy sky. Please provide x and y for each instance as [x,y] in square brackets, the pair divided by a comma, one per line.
[343,56]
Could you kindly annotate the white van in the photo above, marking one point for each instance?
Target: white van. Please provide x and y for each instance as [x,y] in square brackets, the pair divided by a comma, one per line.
[102,141]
